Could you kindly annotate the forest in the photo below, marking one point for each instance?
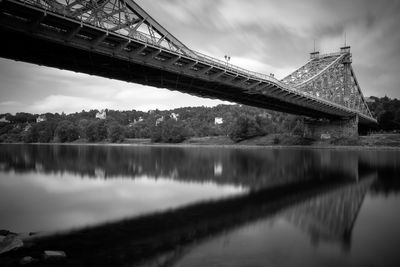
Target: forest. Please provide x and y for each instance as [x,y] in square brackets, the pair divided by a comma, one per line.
[239,122]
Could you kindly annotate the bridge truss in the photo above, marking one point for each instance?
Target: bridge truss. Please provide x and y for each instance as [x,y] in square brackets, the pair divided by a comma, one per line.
[118,39]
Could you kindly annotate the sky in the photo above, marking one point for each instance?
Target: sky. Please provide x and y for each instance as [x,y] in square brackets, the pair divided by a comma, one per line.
[260,35]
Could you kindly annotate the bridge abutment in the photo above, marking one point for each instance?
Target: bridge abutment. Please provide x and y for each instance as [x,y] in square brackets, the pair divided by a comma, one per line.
[331,129]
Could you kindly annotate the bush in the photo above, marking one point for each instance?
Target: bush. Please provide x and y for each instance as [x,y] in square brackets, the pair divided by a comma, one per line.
[96,131]
[276,140]
[42,132]
[298,129]
[66,131]
[169,131]
[116,133]
[246,127]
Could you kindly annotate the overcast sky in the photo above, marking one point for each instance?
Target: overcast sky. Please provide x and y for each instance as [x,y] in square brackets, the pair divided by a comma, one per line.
[261,35]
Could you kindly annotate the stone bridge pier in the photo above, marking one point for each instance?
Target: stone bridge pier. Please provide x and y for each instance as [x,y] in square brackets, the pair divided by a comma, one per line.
[331,129]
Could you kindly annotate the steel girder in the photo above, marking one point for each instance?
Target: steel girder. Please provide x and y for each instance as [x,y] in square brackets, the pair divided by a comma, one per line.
[332,78]
[90,30]
[121,16]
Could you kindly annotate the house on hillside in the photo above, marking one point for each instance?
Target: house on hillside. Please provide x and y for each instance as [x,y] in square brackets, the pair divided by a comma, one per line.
[41,118]
[174,116]
[135,121]
[101,115]
[3,119]
[159,120]
[218,120]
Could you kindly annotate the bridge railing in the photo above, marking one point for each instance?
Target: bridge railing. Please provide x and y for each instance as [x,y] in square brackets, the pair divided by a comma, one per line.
[232,68]
[203,58]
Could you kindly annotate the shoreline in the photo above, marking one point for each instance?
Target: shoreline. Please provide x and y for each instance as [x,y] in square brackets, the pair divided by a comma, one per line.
[235,146]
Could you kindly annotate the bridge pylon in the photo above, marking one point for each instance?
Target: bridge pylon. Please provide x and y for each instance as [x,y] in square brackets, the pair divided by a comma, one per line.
[324,129]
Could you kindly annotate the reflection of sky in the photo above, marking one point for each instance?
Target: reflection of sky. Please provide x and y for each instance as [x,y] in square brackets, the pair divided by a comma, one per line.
[277,242]
[39,202]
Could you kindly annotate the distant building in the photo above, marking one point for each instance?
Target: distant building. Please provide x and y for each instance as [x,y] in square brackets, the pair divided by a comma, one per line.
[3,119]
[27,127]
[159,120]
[370,100]
[41,118]
[101,115]
[135,121]
[218,120]
[174,116]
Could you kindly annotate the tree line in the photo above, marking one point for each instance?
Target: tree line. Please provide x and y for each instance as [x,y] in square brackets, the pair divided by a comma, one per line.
[171,126]
[239,122]
[387,112]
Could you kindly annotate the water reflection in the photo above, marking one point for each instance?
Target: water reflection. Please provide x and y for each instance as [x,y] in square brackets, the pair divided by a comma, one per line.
[164,238]
[251,168]
[285,207]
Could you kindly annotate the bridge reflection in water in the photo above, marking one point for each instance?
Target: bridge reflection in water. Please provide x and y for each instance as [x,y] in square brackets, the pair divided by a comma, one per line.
[164,237]
[318,191]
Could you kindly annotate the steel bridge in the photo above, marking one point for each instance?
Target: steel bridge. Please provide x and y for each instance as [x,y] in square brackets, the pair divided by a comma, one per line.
[118,39]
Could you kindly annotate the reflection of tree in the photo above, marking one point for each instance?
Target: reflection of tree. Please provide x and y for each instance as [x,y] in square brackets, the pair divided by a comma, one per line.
[254,168]
[166,236]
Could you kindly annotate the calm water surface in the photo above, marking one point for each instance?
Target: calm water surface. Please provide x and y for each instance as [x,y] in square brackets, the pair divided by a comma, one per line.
[197,206]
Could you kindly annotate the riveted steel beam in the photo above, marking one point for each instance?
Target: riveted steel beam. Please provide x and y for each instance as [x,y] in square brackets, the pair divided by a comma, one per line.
[138,50]
[151,55]
[122,46]
[217,75]
[171,61]
[71,34]
[204,70]
[95,42]
[189,65]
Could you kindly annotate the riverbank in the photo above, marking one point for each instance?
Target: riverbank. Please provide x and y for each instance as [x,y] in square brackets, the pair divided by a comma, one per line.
[375,141]
[390,141]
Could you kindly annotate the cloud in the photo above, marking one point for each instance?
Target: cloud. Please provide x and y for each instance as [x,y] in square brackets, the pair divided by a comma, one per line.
[67,104]
[10,106]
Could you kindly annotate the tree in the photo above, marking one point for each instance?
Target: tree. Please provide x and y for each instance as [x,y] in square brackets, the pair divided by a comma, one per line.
[82,126]
[66,131]
[245,127]
[96,131]
[45,131]
[385,120]
[169,131]
[116,133]
[298,129]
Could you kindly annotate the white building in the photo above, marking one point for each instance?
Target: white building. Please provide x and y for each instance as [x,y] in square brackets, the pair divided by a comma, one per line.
[159,120]
[41,118]
[135,121]
[101,115]
[175,116]
[3,119]
[140,119]
[218,120]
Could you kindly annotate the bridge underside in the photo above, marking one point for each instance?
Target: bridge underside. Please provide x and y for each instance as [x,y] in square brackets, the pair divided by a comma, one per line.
[34,35]
[26,48]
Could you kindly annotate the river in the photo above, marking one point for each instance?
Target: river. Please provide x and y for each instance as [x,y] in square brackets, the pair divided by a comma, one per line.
[205,206]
